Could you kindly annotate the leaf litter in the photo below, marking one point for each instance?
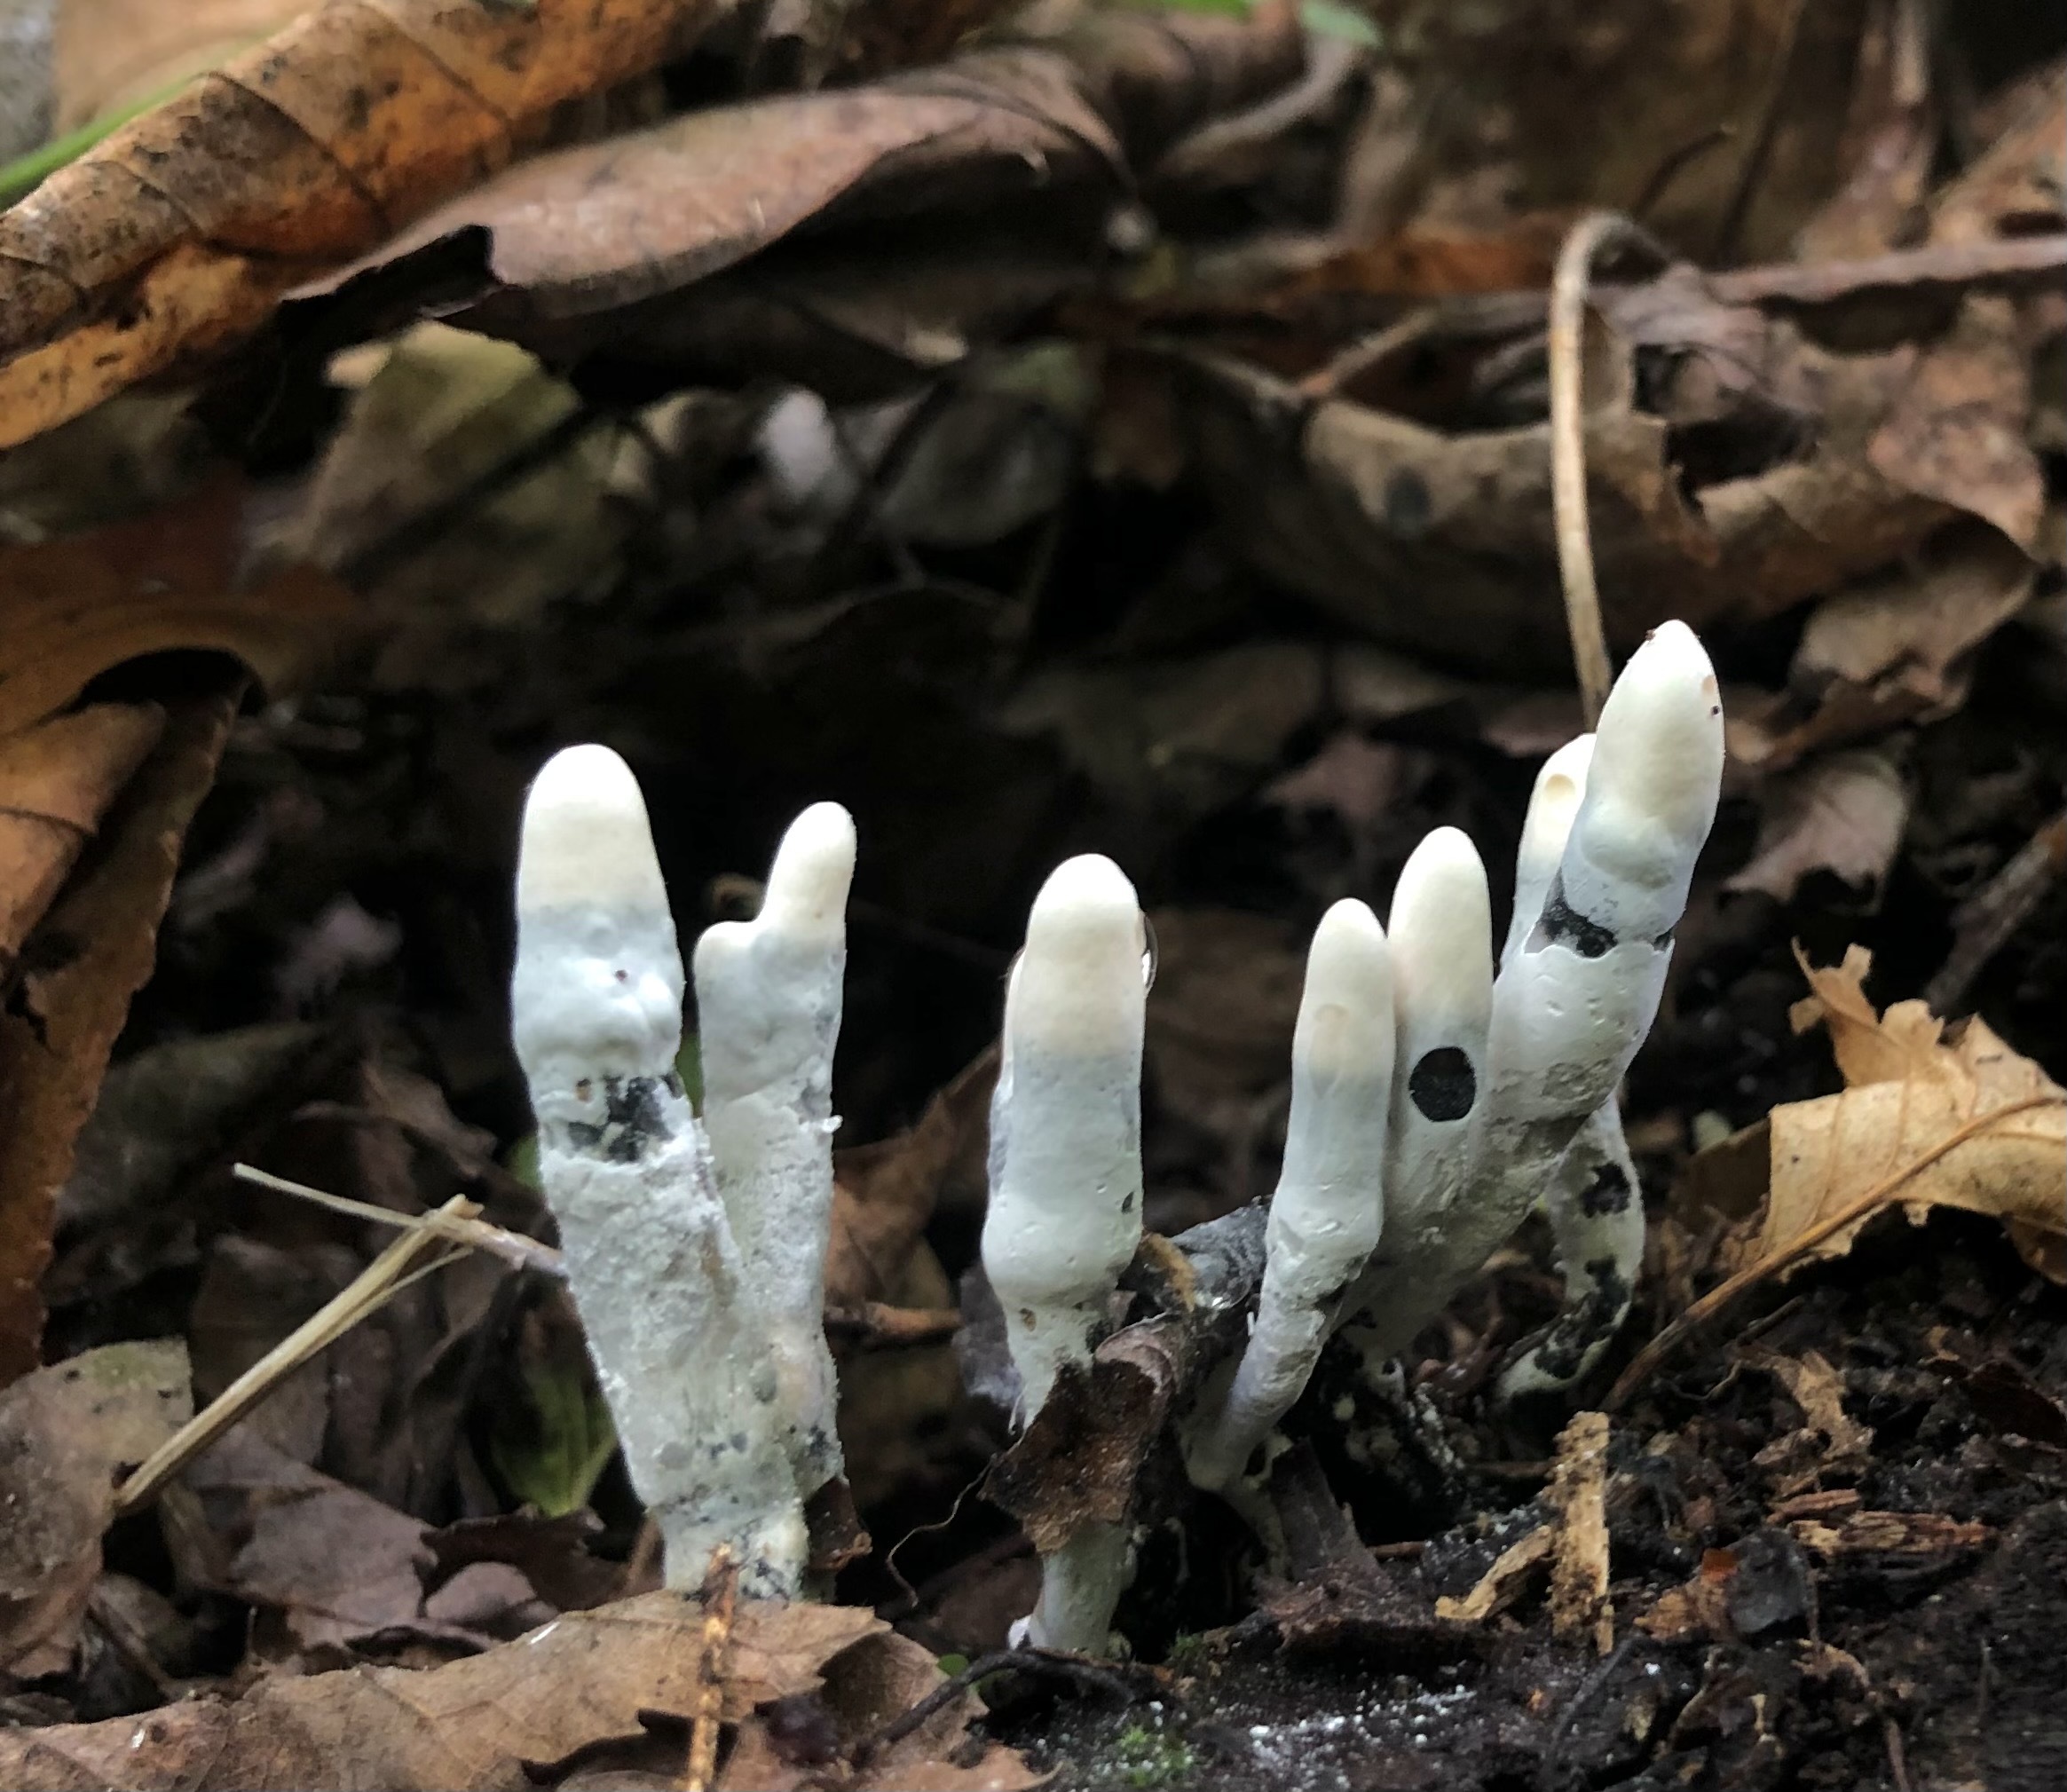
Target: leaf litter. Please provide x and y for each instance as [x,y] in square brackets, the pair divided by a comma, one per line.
[1043,439]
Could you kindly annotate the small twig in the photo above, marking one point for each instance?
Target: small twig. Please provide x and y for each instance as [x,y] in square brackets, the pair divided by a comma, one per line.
[374,1286]
[720,1604]
[1881,1194]
[1588,237]
[1074,1668]
[1983,924]
[512,1247]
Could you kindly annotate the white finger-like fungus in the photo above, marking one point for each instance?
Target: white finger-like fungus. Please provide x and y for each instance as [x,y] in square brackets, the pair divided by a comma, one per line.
[1065,1208]
[1441,929]
[1442,970]
[677,1337]
[768,995]
[1326,1215]
[1578,990]
[1576,1000]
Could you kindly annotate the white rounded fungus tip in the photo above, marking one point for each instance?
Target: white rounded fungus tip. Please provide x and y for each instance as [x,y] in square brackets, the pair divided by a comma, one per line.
[1088,892]
[1660,735]
[1078,986]
[813,869]
[586,838]
[1345,1008]
[1442,915]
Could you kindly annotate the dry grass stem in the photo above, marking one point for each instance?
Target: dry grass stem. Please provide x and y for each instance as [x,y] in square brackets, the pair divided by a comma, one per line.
[513,1247]
[374,1286]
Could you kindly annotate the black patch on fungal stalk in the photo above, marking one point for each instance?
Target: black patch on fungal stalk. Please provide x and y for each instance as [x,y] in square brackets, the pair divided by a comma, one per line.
[1442,1085]
[1608,1191]
[1563,925]
[631,1120]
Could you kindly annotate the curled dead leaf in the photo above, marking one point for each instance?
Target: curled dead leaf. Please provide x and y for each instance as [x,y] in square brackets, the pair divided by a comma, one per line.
[63,1015]
[1929,1117]
[297,154]
[73,607]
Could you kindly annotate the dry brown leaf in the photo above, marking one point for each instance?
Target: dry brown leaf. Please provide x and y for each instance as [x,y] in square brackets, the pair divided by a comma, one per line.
[884,1194]
[56,782]
[1957,432]
[1913,1125]
[64,1433]
[185,224]
[632,216]
[1818,1390]
[1843,814]
[68,1004]
[509,1716]
[111,54]
[2013,187]
[337,1566]
[1896,647]
[70,609]
[1928,1119]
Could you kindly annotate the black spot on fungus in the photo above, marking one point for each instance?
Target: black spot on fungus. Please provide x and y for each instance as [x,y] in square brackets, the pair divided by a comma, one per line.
[1607,1193]
[1563,925]
[632,1105]
[1443,1085]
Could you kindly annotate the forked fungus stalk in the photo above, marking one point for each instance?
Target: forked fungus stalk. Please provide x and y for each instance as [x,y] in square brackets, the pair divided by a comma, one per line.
[702,1346]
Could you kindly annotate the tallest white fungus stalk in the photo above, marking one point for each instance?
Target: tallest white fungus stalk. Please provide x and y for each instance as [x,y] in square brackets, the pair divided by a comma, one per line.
[673,1324]
[768,995]
[1606,859]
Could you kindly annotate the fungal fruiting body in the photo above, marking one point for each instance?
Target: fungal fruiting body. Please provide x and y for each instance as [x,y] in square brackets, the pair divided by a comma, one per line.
[1442,968]
[1326,1214]
[596,1007]
[1065,1208]
[768,995]
[1581,976]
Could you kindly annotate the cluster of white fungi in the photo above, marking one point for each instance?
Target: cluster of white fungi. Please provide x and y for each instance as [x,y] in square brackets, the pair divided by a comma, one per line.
[1436,1099]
